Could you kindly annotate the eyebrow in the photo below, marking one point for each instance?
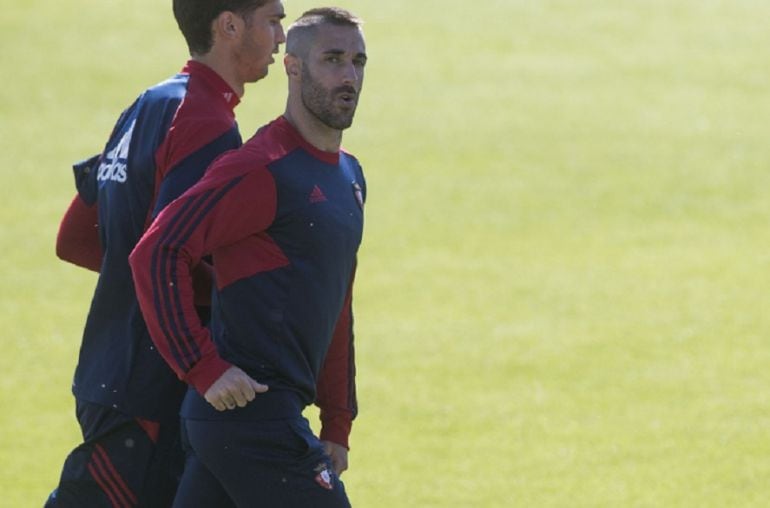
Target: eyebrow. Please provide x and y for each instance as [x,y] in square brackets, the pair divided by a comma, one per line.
[342,52]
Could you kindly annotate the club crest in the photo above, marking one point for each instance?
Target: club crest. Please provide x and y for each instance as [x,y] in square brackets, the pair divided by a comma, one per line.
[324,476]
[359,194]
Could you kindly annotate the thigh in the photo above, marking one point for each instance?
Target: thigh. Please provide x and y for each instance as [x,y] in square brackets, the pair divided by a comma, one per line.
[275,464]
[199,488]
[121,462]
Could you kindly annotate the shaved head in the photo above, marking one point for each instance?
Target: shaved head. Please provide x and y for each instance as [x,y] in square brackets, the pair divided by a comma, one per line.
[301,33]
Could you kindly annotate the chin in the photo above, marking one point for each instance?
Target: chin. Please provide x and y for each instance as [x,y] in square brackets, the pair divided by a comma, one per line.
[257,77]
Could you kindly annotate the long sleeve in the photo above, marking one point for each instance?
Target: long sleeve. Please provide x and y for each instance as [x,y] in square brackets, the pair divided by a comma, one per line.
[77,241]
[226,206]
[336,389]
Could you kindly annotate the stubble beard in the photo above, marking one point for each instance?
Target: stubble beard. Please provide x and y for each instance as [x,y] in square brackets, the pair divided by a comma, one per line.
[251,70]
[320,103]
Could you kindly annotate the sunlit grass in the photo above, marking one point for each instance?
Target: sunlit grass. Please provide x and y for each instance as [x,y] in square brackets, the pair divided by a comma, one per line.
[562,291]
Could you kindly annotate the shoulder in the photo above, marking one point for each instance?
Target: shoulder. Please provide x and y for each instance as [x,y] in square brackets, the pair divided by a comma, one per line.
[157,106]
[350,161]
[243,166]
[197,120]
[190,100]
[172,89]
[270,143]
[349,158]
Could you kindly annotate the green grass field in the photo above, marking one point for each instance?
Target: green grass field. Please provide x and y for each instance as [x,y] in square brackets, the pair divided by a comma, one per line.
[562,296]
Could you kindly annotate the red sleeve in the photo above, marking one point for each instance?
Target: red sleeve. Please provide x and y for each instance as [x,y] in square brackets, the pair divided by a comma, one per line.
[336,388]
[78,239]
[226,206]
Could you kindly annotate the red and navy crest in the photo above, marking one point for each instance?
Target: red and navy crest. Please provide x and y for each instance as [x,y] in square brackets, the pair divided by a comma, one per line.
[359,195]
[324,477]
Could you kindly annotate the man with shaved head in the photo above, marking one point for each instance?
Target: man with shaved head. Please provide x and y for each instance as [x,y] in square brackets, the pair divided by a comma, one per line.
[282,218]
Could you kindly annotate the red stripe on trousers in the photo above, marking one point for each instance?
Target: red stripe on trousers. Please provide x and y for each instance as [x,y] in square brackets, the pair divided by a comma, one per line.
[112,474]
[103,485]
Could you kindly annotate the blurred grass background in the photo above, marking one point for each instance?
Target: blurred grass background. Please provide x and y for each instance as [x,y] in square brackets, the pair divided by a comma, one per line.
[563,288]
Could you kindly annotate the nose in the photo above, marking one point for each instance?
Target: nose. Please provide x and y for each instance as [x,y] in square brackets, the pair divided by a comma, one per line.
[350,74]
[280,36]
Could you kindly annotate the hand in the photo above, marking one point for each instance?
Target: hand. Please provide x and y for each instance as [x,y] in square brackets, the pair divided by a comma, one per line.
[339,456]
[233,388]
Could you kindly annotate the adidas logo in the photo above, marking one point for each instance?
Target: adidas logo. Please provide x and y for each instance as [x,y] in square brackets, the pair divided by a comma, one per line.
[114,164]
[317,195]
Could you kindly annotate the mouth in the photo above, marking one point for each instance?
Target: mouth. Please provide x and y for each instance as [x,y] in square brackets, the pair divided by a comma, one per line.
[348,96]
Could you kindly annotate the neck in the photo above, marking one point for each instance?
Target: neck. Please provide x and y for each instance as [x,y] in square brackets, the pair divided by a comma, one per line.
[220,64]
[312,129]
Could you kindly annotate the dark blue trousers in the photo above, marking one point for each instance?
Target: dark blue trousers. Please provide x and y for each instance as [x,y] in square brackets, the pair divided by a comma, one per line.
[256,464]
[122,462]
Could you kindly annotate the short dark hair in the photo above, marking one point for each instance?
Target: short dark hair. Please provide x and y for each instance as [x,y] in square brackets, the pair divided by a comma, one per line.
[194,18]
[297,36]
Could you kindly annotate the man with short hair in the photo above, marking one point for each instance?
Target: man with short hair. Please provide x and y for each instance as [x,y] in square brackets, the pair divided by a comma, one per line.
[282,218]
[127,398]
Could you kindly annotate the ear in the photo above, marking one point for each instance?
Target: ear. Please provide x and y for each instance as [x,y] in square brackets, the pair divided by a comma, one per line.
[293,66]
[227,25]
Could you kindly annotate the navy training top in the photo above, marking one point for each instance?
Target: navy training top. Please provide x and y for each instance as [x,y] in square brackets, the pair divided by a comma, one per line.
[159,147]
[283,221]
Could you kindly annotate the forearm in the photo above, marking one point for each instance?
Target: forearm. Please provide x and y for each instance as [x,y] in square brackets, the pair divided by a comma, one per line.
[336,426]
[336,389]
[191,227]
[164,287]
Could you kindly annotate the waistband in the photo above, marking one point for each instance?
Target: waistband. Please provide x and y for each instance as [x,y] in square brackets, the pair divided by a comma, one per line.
[271,405]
